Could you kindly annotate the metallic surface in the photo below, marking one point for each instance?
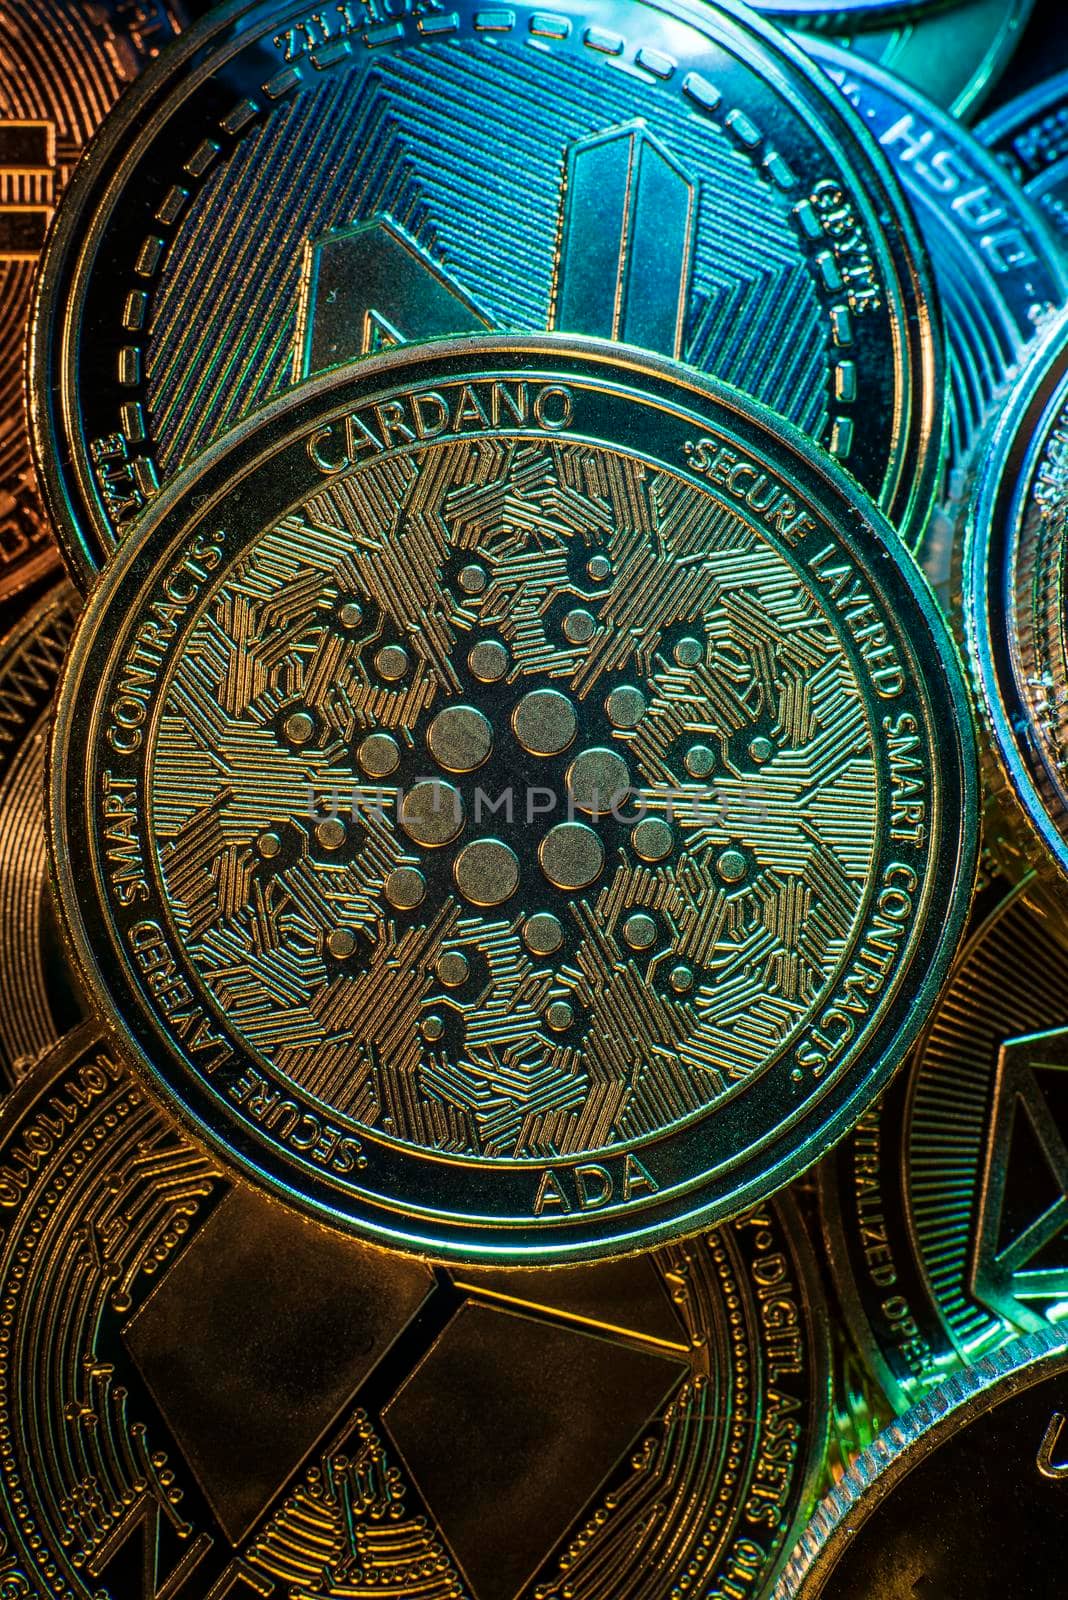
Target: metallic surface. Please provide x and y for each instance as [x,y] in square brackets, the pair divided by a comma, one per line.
[285,193]
[62,66]
[204,1395]
[37,999]
[524,1015]
[1015,608]
[843,13]
[963,1497]
[947,1210]
[999,269]
[954,57]
[1030,136]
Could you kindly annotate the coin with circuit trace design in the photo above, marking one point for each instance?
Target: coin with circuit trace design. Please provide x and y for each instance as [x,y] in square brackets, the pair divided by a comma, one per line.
[198,1384]
[62,66]
[291,190]
[926,1509]
[38,1000]
[517,800]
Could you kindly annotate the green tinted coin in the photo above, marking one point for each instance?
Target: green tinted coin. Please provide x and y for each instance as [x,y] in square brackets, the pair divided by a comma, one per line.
[641,1040]
[947,1209]
[927,1509]
[954,56]
[1015,602]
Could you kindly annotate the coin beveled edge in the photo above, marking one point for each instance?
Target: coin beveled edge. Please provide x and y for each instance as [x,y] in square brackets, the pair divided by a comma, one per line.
[907,494]
[990,902]
[932,952]
[87,1045]
[963,1398]
[1000,128]
[1002,456]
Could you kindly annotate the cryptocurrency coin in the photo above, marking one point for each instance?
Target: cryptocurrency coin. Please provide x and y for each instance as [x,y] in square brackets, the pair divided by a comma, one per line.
[927,1510]
[1030,136]
[954,57]
[847,13]
[37,998]
[998,267]
[62,66]
[947,1210]
[560,801]
[200,1386]
[1014,602]
[292,190]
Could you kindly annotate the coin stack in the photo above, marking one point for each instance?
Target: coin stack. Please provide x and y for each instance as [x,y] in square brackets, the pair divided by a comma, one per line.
[533,800]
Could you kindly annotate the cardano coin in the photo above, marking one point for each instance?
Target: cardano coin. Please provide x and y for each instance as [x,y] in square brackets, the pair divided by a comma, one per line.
[954,56]
[1015,607]
[199,1385]
[947,1210]
[517,800]
[1000,271]
[928,1509]
[62,66]
[37,997]
[1030,136]
[292,190]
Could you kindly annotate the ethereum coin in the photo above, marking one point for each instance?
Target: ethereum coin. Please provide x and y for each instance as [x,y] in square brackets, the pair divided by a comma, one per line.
[1014,601]
[947,1210]
[37,999]
[517,800]
[1030,136]
[999,268]
[292,190]
[201,1386]
[62,66]
[926,1510]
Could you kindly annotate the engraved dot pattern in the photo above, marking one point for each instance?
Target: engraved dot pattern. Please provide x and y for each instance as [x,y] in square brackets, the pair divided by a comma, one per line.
[495,910]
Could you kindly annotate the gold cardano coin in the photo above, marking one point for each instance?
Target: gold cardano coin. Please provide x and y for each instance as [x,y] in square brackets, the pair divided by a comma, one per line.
[206,1397]
[37,998]
[63,64]
[961,1499]
[516,799]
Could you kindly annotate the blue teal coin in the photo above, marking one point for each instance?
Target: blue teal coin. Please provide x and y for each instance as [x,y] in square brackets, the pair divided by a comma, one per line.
[289,191]
[846,13]
[953,55]
[1030,137]
[1015,602]
[998,266]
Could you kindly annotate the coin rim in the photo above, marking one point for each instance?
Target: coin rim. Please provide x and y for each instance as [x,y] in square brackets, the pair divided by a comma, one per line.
[919,356]
[687,1207]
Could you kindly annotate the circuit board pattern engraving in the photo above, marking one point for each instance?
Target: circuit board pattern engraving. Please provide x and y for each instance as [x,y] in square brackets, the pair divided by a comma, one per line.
[705,1457]
[514,797]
